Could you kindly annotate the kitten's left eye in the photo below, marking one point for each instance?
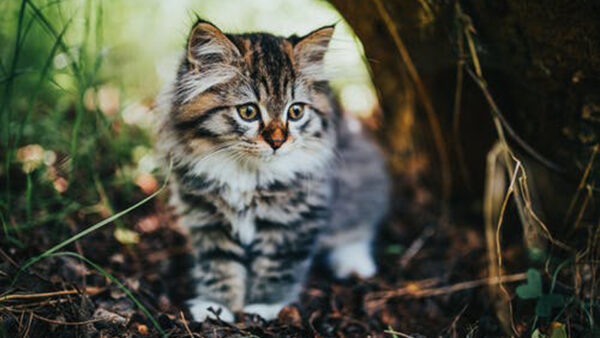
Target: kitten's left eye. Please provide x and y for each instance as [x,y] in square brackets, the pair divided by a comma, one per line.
[296,111]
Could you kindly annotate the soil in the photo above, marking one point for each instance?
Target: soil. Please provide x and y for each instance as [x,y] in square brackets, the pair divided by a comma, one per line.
[415,253]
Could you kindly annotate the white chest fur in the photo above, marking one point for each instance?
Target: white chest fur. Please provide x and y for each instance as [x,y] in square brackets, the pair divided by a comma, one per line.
[242,217]
[244,227]
[238,184]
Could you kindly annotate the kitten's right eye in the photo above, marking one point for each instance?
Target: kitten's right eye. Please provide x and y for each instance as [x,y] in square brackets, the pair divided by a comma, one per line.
[248,112]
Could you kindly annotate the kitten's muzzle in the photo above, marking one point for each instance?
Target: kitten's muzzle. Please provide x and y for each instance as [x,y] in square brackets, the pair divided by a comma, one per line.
[275,137]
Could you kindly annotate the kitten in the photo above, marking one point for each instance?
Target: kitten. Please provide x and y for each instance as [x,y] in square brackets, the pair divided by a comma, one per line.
[266,171]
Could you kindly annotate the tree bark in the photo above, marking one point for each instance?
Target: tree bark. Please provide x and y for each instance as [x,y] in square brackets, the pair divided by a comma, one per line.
[541,63]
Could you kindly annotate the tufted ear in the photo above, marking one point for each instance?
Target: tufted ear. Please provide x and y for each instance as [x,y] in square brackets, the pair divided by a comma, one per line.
[208,45]
[310,49]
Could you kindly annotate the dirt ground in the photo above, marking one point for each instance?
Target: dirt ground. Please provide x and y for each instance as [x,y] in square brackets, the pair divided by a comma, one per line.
[417,291]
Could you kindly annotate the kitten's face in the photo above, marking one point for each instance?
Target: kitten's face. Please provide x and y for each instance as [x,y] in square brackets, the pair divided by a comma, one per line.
[255,99]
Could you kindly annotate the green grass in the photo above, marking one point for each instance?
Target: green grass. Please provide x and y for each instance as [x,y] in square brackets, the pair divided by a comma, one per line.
[43,103]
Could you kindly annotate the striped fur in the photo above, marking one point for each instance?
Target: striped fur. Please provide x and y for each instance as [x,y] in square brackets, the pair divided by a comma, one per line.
[258,212]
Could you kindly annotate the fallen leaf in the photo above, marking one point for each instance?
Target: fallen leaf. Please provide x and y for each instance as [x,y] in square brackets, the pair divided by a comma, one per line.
[148,224]
[126,236]
[142,329]
[290,316]
[147,183]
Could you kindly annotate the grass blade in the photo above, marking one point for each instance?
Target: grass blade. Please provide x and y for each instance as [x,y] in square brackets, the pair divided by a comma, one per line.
[93,228]
[4,109]
[43,74]
[52,31]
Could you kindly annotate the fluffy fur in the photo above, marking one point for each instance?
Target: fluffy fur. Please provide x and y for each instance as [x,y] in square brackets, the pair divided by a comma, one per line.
[262,196]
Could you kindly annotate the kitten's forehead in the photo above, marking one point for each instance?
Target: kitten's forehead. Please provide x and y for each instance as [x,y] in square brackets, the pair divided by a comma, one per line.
[269,62]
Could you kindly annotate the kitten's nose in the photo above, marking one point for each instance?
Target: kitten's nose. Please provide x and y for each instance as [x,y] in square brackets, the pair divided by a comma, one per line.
[275,137]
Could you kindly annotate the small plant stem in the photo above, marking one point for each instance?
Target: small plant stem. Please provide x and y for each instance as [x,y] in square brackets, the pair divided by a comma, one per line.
[28,195]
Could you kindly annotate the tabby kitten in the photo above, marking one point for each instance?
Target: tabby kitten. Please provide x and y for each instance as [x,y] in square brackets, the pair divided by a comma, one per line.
[266,171]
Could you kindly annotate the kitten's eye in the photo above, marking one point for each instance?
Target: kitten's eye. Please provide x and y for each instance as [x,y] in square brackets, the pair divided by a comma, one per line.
[296,111]
[248,112]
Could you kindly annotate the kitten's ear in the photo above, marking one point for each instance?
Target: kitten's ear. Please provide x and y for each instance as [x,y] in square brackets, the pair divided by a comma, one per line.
[207,44]
[310,49]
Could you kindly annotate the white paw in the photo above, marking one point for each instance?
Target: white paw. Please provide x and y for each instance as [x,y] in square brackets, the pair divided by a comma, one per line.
[352,258]
[266,311]
[200,311]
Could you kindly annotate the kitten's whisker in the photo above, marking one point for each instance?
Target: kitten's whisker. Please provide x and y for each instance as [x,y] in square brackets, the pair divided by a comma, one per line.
[214,153]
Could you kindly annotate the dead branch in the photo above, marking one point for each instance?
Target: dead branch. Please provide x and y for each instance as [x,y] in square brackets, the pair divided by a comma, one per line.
[90,291]
[415,292]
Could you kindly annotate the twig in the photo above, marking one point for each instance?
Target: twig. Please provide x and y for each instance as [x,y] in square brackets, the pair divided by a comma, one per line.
[60,322]
[26,334]
[47,294]
[460,64]
[38,295]
[584,205]
[506,126]
[24,307]
[452,326]
[397,333]
[426,101]
[185,324]
[416,246]
[582,183]
[422,293]
[427,8]
[8,258]
[509,192]
[527,199]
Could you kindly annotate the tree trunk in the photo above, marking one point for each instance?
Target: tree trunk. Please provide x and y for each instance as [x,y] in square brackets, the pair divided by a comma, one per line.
[540,61]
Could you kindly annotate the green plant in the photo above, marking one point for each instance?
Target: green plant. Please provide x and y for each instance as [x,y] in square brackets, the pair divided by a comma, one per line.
[53,62]
[532,289]
[558,332]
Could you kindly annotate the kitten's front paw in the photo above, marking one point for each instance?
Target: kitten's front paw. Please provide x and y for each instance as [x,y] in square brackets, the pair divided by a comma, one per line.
[200,311]
[352,258]
[266,311]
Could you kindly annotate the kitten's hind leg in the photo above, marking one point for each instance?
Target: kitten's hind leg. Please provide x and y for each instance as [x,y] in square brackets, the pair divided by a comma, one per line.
[354,257]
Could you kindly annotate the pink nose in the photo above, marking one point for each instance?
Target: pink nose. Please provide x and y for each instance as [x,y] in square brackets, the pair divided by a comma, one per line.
[275,137]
